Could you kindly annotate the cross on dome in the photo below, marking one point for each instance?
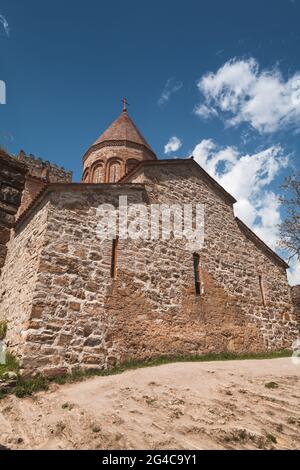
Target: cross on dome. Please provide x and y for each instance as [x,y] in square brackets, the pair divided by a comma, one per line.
[125,104]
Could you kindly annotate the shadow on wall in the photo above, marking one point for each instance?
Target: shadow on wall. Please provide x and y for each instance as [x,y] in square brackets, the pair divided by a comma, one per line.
[12,181]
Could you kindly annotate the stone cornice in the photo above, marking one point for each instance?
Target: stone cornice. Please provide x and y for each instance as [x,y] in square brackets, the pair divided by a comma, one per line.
[118,143]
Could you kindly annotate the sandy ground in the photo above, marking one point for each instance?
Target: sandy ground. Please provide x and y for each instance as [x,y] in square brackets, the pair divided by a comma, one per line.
[218,405]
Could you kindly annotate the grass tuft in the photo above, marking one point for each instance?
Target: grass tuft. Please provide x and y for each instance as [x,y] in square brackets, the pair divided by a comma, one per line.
[11,365]
[272,385]
[26,387]
[271,438]
[3,329]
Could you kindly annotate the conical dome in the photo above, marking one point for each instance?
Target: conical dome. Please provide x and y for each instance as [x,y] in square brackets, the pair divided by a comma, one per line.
[123,129]
[119,149]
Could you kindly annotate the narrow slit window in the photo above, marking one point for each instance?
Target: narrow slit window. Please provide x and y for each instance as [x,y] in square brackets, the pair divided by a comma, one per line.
[114,258]
[262,291]
[197,274]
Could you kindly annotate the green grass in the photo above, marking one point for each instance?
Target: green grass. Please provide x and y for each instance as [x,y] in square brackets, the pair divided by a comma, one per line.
[271,438]
[3,329]
[271,385]
[26,387]
[10,366]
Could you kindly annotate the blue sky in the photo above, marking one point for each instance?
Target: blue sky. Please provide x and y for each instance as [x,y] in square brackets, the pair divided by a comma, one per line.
[67,65]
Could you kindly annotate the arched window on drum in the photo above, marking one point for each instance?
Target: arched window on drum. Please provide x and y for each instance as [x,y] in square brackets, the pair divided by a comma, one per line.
[98,174]
[131,164]
[114,172]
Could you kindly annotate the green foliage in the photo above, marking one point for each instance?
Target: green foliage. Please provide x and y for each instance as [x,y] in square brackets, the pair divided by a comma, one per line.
[271,385]
[272,438]
[279,428]
[3,329]
[11,365]
[26,387]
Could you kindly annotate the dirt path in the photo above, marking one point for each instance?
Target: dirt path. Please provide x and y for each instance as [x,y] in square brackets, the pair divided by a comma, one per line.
[220,405]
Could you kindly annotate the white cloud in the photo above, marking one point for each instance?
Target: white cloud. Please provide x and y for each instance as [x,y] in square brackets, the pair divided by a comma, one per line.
[4,22]
[247,178]
[269,219]
[294,272]
[205,111]
[240,92]
[173,145]
[171,87]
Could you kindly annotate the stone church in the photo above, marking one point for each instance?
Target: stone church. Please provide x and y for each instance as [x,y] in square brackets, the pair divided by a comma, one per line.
[70,301]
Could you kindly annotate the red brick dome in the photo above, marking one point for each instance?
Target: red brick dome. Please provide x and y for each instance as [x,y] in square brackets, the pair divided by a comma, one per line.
[116,152]
[123,129]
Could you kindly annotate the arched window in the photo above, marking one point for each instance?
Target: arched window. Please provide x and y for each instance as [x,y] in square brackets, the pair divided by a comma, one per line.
[86,176]
[131,163]
[98,174]
[114,172]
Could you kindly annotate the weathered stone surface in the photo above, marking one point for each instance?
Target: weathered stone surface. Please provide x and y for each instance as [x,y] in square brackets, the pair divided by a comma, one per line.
[296,301]
[12,180]
[7,384]
[55,372]
[4,235]
[10,195]
[40,173]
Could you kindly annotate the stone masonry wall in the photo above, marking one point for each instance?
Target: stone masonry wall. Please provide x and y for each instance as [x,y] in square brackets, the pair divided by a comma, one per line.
[229,258]
[18,279]
[61,312]
[12,180]
[296,301]
[76,315]
[40,173]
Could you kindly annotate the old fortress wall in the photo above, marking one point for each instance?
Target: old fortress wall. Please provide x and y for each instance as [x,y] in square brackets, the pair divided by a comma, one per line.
[39,174]
[12,181]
